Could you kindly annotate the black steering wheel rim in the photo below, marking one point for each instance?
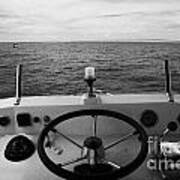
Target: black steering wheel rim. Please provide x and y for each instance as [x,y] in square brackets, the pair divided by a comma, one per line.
[61,172]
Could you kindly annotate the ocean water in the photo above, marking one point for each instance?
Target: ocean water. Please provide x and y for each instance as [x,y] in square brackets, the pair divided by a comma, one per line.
[58,68]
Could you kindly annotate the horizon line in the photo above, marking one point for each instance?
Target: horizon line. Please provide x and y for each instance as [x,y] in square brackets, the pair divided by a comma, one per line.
[74,41]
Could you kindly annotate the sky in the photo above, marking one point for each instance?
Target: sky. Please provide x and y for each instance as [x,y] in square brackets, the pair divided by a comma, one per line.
[89,20]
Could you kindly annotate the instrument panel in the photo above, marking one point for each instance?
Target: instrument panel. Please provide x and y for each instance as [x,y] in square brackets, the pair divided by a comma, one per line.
[153,117]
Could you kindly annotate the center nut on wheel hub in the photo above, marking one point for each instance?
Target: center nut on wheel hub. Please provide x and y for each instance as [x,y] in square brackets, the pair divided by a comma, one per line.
[93,150]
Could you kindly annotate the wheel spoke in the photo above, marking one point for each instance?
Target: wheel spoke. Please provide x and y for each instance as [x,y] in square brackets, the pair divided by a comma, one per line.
[67,138]
[113,164]
[95,126]
[121,140]
[71,161]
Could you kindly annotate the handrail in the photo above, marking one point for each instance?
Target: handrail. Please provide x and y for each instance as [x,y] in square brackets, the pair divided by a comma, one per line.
[18,84]
[168,82]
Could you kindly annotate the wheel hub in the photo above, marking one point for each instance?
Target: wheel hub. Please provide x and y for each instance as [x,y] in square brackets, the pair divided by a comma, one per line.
[93,143]
[94,150]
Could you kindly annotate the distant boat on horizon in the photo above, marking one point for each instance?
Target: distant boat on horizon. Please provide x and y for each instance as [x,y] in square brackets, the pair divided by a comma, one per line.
[15,45]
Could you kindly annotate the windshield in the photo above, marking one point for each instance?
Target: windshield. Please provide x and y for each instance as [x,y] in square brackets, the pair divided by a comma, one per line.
[58,68]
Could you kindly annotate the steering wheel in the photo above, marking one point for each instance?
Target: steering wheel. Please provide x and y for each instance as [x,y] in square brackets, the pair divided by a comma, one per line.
[97,167]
